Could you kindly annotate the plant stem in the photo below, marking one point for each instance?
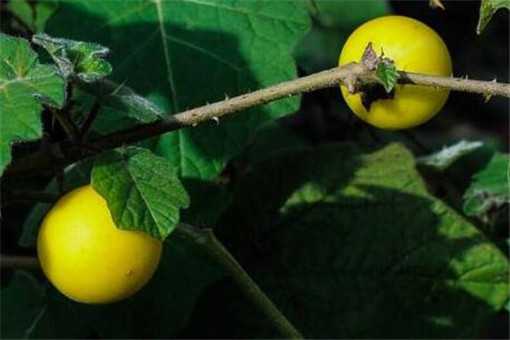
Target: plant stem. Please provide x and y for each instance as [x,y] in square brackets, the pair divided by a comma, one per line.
[207,240]
[352,75]
[19,262]
[67,124]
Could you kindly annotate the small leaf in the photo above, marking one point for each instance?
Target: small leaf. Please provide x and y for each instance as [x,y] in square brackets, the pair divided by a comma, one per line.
[487,10]
[387,74]
[142,190]
[24,85]
[442,159]
[489,189]
[84,60]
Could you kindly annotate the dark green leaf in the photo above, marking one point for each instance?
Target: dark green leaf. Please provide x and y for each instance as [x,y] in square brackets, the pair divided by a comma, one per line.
[24,85]
[487,10]
[387,75]
[23,306]
[357,248]
[183,54]
[489,189]
[142,190]
[335,21]
[80,59]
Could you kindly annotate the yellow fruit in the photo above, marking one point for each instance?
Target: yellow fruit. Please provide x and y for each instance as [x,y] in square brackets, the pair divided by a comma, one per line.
[414,47]
[86,257]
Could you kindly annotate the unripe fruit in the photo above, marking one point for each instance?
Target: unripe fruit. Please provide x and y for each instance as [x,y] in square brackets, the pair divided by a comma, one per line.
[414,47]
[86,257]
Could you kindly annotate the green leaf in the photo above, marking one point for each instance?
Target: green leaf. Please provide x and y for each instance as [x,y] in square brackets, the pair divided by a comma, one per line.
[442,159]
[80,59]
[489,188]
[24,85]
[183,54]
[31,13]
[387,74]
[347,14]
[142,190]
[357,248]
[75,175]
[23,306]
[487,9]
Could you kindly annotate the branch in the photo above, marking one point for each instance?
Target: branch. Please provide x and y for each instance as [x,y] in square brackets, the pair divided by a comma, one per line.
[352,75]
[206,239]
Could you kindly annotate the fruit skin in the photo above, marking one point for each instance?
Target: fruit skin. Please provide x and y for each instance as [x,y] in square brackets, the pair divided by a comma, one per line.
[414,47]
[86,257]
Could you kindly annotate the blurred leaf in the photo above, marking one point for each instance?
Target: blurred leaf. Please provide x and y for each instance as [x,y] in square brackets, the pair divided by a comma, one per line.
[183,54]
[272,137]
[23,306]
[487,10]
[387,74]
[359,249]
[75,175]
[489,189]
[31,13]
[334,22]
[442,159]
[80,59]
[208,201]
[24,85]
[142,190]
[347,14]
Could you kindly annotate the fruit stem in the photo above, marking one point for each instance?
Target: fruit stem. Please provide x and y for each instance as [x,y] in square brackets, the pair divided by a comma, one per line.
[207,240]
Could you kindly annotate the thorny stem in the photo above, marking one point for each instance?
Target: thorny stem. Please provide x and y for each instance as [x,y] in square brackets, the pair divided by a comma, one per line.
[207,240]
[352,75]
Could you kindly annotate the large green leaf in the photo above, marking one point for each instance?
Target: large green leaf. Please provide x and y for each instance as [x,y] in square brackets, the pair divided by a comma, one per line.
[357,248]
[489,190]
[142,190]
[487,9]
[182,54]
[24,85]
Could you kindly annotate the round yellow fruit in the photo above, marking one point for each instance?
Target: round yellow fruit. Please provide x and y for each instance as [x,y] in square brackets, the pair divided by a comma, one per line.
[414,47]
[86,257]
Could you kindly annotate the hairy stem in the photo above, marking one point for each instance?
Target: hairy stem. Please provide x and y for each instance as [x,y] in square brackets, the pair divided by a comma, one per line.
[206,239]
[352,75]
